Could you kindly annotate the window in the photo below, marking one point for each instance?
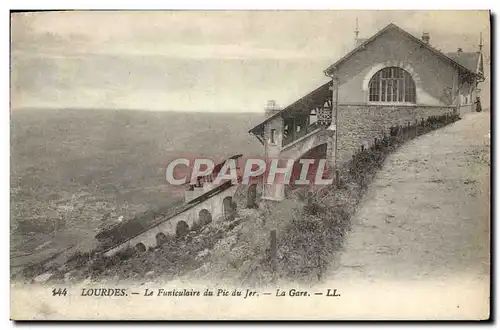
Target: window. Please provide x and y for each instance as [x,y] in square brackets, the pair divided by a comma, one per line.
[313,117]
[392,85]
[288,131]
[300,125]
[296,127]
[273,136]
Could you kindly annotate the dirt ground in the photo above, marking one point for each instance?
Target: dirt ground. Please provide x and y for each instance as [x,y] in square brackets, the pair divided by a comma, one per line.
[427,214]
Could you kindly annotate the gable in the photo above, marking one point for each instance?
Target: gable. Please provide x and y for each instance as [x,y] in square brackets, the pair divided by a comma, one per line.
[434,72]
[401,34]
[433,75]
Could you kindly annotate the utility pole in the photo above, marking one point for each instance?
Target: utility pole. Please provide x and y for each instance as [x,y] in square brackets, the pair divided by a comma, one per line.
[336,105]
[273,251]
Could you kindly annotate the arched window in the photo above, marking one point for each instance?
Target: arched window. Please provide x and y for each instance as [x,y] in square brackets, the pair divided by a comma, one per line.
[393,85]
[161,238]
[139,247]
[205,217]
[228,208]
[182,229]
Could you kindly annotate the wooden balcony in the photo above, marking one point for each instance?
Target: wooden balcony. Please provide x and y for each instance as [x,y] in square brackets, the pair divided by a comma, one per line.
[300,125]
[305,115]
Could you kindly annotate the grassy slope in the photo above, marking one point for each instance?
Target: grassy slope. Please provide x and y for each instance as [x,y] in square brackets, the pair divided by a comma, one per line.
[74,170]
[310,232]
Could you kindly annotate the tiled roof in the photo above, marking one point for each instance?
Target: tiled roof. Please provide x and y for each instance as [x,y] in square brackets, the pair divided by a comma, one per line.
[360,41]
[319,95]
[468,60]
[394,26]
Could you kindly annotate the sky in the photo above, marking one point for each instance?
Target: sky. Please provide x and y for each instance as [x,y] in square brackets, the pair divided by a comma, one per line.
[200,61]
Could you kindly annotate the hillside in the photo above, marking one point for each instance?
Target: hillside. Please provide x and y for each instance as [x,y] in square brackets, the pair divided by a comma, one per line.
[310,228]
[73,171]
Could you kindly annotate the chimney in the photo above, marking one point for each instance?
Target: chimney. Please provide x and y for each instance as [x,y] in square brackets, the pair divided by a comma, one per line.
[459,51]
[271,108]
[426,37]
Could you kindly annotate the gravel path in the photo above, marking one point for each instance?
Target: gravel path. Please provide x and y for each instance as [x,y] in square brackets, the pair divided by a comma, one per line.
[426,215]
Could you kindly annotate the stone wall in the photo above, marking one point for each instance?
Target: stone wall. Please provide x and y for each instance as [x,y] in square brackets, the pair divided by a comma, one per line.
[361,124]
[148,237]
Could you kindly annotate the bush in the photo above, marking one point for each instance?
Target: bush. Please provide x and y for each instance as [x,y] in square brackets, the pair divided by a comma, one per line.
[310,237]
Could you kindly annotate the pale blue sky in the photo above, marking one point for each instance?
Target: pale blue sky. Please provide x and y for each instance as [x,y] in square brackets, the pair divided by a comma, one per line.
[200,61]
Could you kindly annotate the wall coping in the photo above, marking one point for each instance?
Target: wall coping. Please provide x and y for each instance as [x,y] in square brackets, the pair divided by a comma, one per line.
[183,208]
[301,139]
[395,105]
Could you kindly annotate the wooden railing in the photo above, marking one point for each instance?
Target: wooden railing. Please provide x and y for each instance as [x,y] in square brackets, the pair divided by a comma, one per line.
[303,124]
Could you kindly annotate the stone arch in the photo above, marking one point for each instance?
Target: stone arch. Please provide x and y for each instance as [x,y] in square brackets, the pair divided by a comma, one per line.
[228,208]
[161,238]
[181,229]
[252,196]
[140,247]
[204,217]
[311,142]
[318,152]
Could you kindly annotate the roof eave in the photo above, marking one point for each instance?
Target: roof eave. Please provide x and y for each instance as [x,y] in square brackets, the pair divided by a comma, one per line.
[361,46]
[254,130]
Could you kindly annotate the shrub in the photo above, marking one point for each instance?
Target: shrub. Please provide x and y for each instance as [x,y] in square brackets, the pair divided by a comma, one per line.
[310,237]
